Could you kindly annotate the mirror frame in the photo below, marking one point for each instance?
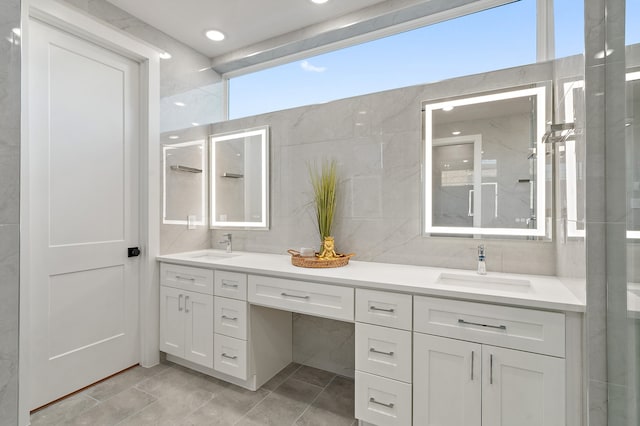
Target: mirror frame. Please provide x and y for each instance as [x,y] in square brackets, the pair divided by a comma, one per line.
[540,230]
[263,132]
[203,168]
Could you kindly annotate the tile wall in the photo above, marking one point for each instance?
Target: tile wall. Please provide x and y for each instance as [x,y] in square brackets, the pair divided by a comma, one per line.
[9,208]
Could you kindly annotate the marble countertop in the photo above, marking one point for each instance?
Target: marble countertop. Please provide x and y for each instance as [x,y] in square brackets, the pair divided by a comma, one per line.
[544,292]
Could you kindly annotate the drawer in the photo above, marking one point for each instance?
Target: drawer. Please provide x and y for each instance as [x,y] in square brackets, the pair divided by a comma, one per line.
[383,351]
[524,329]
[230,317]
[187,278]
[230,356]
[382,401]
[322,300]
[231,284]
[384,308]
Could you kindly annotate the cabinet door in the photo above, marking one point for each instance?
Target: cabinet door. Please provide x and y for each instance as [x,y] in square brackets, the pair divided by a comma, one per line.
[521,388]
[447,382]
[199,328]
[172,321]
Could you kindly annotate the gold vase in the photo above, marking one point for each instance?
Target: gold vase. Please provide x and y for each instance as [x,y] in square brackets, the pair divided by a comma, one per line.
[328,251]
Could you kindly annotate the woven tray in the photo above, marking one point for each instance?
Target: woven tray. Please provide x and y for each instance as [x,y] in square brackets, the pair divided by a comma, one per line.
[315,262]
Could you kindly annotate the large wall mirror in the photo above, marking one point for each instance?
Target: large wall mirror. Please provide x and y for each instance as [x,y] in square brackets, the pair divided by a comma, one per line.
[184,183]
[239,170]
[574,157]
[484,164]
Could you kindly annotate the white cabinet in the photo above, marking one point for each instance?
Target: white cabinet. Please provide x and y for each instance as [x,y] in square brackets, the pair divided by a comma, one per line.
[186,325]
[472,383]
[447,381]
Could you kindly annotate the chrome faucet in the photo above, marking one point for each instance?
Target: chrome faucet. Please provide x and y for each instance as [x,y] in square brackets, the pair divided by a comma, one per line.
[226,241]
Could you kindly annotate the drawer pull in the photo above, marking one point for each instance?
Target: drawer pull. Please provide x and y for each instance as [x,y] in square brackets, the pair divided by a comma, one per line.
[230,318]
[374,308]
[179,277]
[224,355]
[375,351]
[293,295]
[389,405]
[499,327]
[180,302]
[228,284]
[491,369]
[472,356]
[186,301]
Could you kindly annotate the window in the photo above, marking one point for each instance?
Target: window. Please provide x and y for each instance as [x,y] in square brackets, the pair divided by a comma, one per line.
[497,38]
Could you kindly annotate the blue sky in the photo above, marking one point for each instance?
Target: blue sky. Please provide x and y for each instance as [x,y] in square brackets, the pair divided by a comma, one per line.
[494,39]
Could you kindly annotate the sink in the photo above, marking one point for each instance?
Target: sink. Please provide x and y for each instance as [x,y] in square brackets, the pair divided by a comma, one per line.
[485,282]
[213,255]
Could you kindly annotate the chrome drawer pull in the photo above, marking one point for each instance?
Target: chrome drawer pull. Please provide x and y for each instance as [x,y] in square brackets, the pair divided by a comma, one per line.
[293,295]
[499,327]
[374,350]
[373,308]
[186,301]
[227,284]
[389,405]
[179,277]
[180,302]
[230,318]
[229,356]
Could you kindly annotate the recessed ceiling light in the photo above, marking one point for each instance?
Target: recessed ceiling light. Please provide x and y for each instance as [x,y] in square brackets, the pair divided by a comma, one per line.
[174,137]
[16,31]
[214,35]
[195,124]
[319,1]
[180,104]
[165,55]
[447,108]
[456,133]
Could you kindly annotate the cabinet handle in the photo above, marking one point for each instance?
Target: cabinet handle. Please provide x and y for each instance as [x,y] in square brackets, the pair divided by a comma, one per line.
[374,308]
[186,300]
[499,327]
[491,369]
[472,356]
[389,405]
[374,350]
[230,318]
[179,277]
[226,283]
[293,295]
[180,302]
[229,356]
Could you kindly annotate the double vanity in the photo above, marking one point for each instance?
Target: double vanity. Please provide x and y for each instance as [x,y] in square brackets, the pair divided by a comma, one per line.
[432,346]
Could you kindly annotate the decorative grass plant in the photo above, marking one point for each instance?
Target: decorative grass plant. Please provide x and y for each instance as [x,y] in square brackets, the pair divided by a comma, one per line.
[324,182]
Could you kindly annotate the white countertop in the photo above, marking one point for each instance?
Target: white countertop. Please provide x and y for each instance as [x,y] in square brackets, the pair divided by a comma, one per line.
[544,292]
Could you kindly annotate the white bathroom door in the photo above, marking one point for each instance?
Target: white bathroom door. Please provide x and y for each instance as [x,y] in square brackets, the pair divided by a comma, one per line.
[83,113]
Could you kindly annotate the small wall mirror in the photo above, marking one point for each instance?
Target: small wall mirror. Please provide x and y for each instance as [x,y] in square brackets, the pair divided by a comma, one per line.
[239,170]
[574,157]
[184,183]
[484,164]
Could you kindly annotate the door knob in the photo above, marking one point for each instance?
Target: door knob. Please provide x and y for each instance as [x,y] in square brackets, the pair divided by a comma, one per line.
[133,252]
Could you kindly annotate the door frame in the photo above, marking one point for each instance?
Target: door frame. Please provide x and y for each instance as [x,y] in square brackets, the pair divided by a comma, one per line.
[89,28]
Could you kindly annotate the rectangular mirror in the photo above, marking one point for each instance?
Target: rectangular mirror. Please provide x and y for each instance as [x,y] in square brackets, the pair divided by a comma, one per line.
[184,183]
[482,172]
[239,187]
[574,157]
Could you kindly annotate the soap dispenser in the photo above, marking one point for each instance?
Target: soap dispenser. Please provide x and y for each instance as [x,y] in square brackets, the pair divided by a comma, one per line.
[482,266]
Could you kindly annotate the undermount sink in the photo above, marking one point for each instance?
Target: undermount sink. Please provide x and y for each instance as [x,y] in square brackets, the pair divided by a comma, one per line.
[214,255]
[486,282]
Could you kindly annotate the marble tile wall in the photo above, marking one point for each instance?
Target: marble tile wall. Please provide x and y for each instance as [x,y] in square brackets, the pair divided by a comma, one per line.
[9,208]
[376,140]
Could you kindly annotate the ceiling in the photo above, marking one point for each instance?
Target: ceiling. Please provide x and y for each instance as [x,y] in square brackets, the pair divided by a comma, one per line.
[260,32]
[245,22]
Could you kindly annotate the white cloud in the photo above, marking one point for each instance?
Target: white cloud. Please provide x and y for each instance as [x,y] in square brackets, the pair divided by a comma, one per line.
[305,65]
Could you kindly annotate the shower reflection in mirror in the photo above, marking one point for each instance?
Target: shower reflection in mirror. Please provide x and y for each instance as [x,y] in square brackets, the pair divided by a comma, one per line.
[239,179]
[482,174]
[184,183]
[574,155]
